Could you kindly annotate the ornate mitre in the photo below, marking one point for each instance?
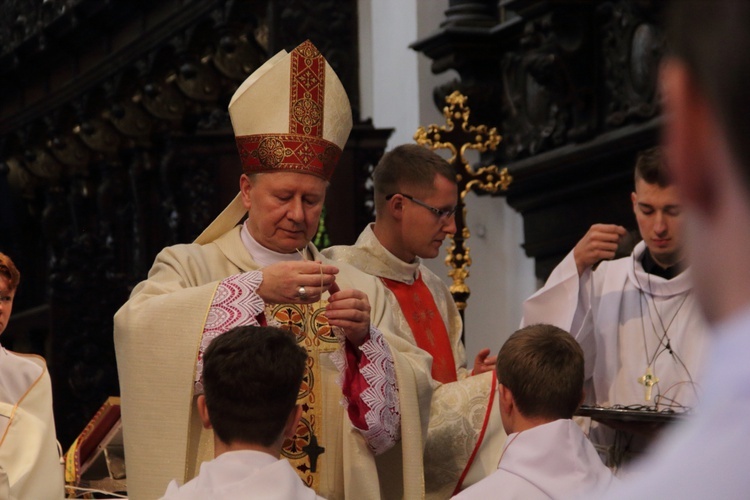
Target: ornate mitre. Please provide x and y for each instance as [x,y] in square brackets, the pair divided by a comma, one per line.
[291,115]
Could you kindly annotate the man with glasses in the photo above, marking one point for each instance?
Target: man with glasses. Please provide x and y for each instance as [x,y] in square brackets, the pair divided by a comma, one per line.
[415,204]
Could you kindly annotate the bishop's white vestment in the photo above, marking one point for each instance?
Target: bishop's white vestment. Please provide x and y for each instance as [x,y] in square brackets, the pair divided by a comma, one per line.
[195,292]
[644,338]
[550,461]
[243,474]
[465,432]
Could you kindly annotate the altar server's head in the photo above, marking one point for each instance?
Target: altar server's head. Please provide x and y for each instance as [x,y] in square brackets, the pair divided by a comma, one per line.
[251,378]
[415,201]
[9,279]
[291,120]
[540,377]
[657,208]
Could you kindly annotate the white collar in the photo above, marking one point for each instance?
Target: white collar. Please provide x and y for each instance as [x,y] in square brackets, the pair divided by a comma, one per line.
[656,285]
[382,262]
[262,255]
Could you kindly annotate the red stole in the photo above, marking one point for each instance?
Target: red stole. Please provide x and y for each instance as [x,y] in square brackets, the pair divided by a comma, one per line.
[427,326]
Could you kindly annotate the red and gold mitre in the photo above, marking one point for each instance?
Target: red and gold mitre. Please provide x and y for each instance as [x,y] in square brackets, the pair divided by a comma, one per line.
[291,114]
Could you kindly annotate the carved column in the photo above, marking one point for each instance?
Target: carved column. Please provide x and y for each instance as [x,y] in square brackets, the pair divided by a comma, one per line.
[471,13]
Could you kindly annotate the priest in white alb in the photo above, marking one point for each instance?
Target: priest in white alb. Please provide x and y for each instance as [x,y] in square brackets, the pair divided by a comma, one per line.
[362,400]
[636,317]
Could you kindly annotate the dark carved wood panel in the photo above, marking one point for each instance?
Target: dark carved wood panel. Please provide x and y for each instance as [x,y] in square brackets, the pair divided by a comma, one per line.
[571,87]
[331,25]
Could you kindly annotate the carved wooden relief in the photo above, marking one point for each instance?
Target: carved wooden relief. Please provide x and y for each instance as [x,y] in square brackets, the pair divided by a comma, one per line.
[571,87]
[549,84]
[632,46]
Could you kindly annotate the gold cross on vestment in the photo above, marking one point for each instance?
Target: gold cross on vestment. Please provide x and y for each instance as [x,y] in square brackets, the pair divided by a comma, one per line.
[648,380]
[458,136]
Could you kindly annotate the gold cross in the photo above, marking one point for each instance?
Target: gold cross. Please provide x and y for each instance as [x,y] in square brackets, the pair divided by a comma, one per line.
[458,136]
[648,380]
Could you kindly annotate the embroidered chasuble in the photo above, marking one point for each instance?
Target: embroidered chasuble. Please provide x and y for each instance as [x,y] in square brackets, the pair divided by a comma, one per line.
[427,326]
[291,115]
[171,317]
[307,322]
[465,433]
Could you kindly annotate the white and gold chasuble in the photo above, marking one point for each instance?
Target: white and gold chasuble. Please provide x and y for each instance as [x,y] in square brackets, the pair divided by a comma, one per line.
[158,337]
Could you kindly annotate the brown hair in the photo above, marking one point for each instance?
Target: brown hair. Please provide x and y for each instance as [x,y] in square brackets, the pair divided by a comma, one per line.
[9,270]
[542,366]
[650,167]
[251,378]
[408,166]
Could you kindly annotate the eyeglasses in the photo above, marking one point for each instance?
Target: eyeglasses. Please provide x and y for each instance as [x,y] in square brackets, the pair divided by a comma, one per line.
[443,215]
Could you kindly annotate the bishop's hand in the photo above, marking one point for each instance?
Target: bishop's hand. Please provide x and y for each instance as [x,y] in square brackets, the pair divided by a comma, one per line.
[350,311]
[296,282]
[599,243]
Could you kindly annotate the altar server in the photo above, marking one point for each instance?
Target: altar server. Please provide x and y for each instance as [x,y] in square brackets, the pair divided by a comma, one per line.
[546,455]
[636,318]
[30,464]
[251,378]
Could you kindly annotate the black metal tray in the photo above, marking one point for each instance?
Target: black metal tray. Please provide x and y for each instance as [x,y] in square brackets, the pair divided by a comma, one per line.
[626,414]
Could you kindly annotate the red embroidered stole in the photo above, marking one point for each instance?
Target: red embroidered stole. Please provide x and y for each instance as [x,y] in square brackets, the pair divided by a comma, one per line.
[419,308]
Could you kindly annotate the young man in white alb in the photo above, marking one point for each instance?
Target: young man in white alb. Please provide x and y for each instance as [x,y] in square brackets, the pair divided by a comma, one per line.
[546,455]
[636,318]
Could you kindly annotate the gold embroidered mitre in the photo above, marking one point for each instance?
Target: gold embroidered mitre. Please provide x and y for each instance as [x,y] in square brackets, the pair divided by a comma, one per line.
[291,114]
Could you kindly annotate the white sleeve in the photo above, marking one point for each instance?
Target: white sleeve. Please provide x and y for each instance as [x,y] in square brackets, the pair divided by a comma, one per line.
[557,302]
[565,301]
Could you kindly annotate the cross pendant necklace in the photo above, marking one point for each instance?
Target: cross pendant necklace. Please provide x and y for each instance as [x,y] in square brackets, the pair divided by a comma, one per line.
[648,380]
